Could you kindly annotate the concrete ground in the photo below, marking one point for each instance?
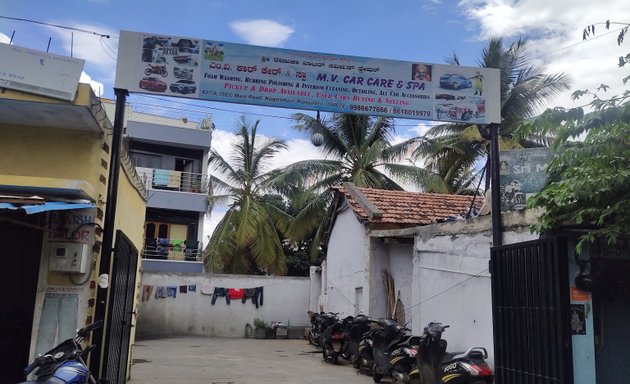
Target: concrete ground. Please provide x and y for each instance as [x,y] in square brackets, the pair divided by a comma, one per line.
[188,360]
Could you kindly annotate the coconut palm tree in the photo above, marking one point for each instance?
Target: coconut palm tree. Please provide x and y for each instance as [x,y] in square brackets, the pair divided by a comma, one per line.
[357,149]
[455,150]
[246,240]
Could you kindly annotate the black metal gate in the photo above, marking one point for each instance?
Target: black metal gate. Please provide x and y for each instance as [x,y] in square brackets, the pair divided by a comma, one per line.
[530,301]
[117,333]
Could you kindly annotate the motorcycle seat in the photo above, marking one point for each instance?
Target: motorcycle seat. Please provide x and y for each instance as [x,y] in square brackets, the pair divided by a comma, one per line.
[449,356]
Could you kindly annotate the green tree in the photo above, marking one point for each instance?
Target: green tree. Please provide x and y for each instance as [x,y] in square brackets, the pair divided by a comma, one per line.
[588,180]
[357,149]
[246,240]
[453,151]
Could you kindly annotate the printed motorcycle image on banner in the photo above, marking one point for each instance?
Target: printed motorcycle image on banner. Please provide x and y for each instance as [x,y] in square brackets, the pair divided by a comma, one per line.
[246,74]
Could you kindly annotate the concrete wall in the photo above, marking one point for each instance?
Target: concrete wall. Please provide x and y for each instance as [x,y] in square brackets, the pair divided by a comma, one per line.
[451,281]
[285,299]
[346,265]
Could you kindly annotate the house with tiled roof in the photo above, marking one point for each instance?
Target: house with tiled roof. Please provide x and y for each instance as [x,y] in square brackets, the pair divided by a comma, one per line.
[357,263]
[415,257]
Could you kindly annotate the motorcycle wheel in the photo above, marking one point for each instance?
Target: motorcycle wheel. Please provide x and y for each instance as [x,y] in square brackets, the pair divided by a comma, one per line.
[377,377]
[163,73]
[313,339]
[148,71]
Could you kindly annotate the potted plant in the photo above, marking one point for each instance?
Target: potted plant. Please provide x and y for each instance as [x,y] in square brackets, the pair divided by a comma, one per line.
[260,328]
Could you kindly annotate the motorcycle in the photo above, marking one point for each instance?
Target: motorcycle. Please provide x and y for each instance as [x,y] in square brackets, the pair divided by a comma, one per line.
[357,329]
[65,363]
[436,366]
[334,340]
[157,69]
[319,323]
[393,352]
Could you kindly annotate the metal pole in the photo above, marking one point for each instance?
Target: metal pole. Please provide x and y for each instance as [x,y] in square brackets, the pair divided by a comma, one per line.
[497,230]
[98,335]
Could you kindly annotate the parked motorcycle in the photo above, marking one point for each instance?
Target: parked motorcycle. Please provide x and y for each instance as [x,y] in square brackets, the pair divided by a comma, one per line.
[157,69]
[436,366]
[357,329]
[393,352]
[319,323]
[65,363]
[334,340]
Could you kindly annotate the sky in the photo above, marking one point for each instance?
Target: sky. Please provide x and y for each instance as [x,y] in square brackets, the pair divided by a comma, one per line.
[421,30]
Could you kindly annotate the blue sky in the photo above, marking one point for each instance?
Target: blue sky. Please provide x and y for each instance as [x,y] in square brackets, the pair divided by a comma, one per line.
[423,30]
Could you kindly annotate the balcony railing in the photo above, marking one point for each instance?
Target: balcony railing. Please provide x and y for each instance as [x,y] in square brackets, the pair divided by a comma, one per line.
[172,249]
[166,179]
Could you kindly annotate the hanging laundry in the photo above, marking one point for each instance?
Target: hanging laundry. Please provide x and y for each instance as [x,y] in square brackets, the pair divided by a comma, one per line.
[256,294]
[220,292]
[160,292]
[147,290]
[178,245]
[192,288]
[206,289]
[171,292]
[236,293]
[183,289]
[160,177]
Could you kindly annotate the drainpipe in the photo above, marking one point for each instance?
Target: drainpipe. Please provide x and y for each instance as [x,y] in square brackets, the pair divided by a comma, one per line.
[98,335]
[497,230]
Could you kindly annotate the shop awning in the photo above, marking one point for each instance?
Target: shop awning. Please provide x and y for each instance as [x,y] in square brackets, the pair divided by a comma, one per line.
[47,206]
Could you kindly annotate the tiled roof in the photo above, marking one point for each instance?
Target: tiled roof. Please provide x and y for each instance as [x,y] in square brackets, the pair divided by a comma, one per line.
[385,208]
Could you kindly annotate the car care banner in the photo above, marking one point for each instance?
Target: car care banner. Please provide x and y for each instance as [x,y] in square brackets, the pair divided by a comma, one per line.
[246,74]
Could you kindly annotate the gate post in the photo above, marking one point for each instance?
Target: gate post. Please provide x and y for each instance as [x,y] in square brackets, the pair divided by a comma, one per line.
[497,230]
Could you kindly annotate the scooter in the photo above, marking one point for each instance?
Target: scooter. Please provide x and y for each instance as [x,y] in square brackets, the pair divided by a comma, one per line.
[65,363]
[394,352]
[334,340]
[436,366]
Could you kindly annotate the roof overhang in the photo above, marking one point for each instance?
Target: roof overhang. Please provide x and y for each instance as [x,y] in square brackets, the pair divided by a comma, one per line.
[84,113]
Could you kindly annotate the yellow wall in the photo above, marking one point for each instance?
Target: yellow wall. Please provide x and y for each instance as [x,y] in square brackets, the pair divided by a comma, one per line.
[72,159]
[53,153]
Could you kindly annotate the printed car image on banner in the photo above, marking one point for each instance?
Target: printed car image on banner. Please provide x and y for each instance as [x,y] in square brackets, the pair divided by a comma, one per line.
[246,74]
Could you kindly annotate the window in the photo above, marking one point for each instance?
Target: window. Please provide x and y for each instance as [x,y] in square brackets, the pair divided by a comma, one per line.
[144,160]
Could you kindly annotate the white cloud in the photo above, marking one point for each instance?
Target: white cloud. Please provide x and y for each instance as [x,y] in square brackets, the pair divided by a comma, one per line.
[97,86]
[554,30]
[4,38]
[262,32]
[422,127]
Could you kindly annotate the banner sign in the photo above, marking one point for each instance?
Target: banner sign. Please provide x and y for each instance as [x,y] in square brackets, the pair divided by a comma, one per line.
[245,74]
[523,172]
[39,72]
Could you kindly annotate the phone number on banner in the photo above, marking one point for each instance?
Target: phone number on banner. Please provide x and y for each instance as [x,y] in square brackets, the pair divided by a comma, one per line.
[395,110]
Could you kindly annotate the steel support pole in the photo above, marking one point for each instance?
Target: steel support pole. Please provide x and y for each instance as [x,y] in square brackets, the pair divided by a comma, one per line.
[497,226]
[104,269]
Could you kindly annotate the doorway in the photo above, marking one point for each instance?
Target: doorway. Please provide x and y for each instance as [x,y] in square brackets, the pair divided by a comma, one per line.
[19,261]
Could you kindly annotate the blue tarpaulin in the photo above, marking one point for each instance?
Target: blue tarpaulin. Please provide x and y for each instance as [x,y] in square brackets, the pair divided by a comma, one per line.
[48,206]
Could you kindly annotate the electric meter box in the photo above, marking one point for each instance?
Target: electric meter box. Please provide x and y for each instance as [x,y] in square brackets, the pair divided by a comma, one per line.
[68,257]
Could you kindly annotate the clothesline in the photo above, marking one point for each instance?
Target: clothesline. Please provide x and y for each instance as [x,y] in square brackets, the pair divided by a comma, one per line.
[170,291]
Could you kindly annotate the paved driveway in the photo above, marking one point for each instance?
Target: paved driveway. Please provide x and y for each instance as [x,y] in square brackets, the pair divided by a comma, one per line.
[236,361]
